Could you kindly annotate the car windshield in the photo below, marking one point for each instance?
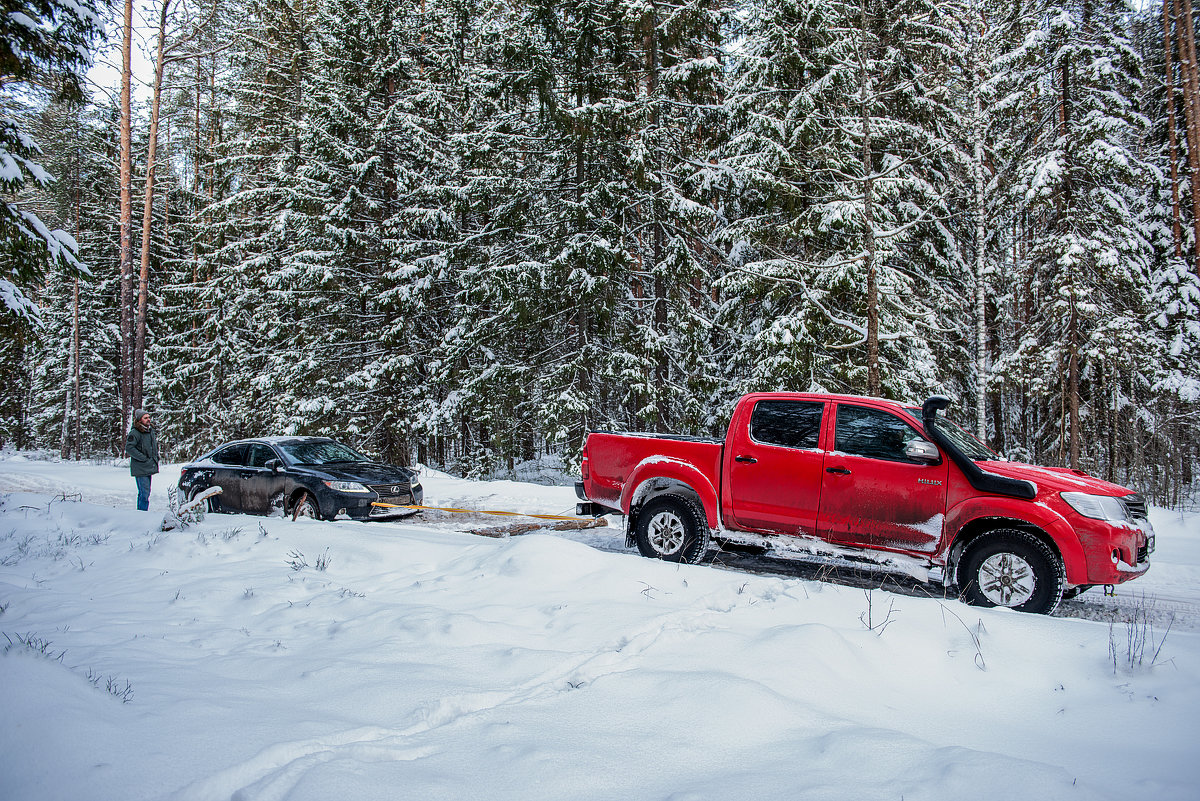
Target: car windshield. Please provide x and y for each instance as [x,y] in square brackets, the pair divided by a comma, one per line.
[975,450]
[320,453]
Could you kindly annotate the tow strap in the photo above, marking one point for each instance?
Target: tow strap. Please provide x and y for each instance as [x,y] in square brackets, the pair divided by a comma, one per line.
[475,511]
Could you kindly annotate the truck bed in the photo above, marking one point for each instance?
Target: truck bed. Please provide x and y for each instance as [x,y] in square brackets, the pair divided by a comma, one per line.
[615,456]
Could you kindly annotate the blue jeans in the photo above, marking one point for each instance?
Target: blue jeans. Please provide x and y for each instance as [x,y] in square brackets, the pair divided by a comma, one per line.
[143,485]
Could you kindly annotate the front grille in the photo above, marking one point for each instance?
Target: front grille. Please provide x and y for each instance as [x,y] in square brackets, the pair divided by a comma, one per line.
[1135,506]
[391,490]
[399,493]
[1143,555]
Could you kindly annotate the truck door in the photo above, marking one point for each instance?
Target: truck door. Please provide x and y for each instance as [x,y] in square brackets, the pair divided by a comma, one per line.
[872,494]
[775,468]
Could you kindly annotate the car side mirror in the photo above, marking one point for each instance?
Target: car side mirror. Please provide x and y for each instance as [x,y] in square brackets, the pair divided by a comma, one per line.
[921,451]
[274,465]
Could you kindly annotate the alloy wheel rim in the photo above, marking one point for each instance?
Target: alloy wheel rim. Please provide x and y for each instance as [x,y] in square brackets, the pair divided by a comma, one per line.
[666,533]
[1006,579]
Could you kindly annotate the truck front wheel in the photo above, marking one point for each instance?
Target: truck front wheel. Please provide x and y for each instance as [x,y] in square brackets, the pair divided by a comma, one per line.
[673,529]
[1011,568]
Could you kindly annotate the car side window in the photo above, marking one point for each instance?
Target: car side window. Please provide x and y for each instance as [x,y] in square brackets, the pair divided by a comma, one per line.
[233,455]
[873,433]
[792,424]
[260,455]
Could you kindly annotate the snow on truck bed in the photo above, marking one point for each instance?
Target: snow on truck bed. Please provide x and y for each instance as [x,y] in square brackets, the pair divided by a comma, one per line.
[260,658]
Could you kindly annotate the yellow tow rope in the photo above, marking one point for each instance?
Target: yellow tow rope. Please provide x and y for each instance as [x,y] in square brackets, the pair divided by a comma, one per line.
[476,511]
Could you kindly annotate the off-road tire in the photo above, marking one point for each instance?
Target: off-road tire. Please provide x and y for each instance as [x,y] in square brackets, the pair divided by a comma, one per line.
[673,529]
[1011,568]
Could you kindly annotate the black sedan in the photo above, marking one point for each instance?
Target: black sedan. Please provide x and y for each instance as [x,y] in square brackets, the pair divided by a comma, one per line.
[300,477]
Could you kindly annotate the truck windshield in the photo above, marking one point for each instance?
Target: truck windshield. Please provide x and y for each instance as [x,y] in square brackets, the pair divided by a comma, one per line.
[975,450]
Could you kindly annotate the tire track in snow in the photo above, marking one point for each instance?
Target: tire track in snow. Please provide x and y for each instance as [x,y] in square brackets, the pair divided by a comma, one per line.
[275,771]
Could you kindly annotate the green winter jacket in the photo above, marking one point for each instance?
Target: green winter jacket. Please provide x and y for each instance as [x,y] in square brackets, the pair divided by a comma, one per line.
[142,447]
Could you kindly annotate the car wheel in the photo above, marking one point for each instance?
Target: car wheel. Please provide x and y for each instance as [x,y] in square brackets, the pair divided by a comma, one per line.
[673,529]
[306,507]
[1013,569]
[211,504]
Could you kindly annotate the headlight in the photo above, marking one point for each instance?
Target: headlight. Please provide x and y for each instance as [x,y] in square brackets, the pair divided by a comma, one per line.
[1097,507]
[346,486]
[416,486]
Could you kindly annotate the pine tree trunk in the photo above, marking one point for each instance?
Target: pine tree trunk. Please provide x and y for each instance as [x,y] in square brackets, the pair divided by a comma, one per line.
[1173,144]
[661,367]
[143,303]
[65,441]
[126,219]
[1187,62]
[874,382]
[73,357]
[1071,402]
[77,382]
[980,290]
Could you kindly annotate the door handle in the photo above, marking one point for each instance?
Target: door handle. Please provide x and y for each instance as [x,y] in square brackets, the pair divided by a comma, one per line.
[745,459]
[841,471]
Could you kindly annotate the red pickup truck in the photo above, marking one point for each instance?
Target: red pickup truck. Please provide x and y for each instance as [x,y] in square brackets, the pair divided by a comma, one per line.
[866,477]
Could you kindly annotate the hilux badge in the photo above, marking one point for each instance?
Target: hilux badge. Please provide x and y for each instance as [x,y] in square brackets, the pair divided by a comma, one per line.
[929,481]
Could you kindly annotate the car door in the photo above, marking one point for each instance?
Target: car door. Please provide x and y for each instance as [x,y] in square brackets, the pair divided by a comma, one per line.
[872,494]
[775,471]
[258,484]
[228,463]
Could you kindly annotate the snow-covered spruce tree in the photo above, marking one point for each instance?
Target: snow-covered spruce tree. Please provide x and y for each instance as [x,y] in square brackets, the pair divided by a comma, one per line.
[675,119]
[360,225]
[73,404]
[431,404]
[1080,268]
[44,50]
[240,147]
[978,27]
[854,236]
[777,334]
[458,354]
[1167,463]
[568,268]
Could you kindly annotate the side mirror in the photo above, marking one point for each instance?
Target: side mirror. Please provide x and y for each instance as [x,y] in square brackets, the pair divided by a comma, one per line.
[274,465]
[921,451]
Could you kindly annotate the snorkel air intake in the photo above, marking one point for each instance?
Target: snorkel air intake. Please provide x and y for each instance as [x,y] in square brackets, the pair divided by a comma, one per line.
[980,479]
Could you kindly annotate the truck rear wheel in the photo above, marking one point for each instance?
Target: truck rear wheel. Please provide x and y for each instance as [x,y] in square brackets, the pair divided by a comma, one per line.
[673,529]
[1011,568]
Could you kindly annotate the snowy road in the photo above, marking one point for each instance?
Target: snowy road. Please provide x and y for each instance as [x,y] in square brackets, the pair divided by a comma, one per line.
[1169,593]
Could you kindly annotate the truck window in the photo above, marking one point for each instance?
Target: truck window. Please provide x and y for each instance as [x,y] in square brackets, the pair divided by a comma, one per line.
[792,424]
[872,433]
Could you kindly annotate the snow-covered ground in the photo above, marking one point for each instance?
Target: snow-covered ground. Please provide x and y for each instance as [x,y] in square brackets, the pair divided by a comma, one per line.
[422,662]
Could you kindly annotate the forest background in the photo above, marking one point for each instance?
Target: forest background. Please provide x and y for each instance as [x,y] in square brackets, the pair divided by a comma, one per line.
[465,232]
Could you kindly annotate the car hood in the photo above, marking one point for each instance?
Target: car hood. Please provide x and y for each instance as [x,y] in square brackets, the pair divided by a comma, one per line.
[363,472]
[1057,479]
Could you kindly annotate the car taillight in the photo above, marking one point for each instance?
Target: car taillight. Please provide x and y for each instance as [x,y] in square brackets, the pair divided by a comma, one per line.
[583,467]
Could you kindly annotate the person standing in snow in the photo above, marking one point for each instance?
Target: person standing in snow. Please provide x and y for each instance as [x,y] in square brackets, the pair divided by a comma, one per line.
[142,447]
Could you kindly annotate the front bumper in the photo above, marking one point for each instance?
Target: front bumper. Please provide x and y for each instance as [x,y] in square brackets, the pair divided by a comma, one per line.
[1117,553]
[359,506]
